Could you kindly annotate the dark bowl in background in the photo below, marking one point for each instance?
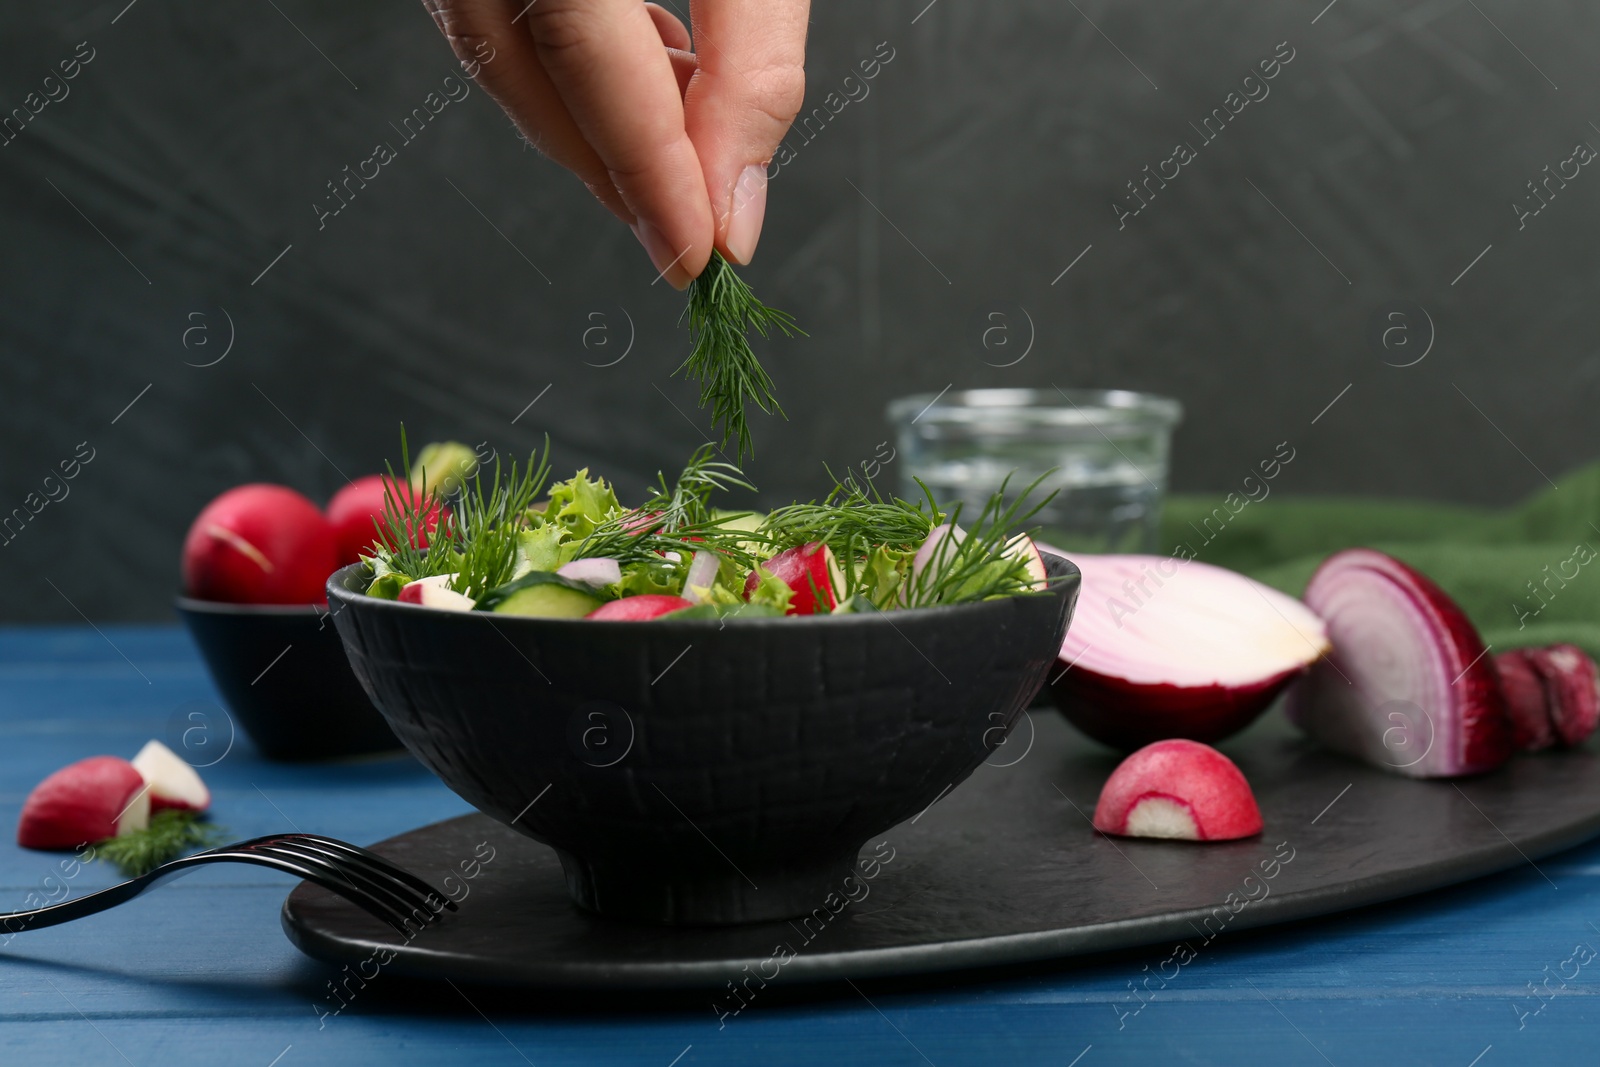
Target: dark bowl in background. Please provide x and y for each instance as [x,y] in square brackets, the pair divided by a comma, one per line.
[283,674]
[704,771]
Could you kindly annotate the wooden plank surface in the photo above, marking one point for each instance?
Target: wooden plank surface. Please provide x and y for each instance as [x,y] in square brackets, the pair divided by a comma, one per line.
[200,973]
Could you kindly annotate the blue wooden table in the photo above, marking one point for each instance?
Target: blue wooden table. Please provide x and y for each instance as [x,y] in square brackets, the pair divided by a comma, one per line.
[1495,972]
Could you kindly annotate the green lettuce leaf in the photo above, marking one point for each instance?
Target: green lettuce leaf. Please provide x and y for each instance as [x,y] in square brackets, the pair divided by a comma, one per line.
[771,591]
[581,504]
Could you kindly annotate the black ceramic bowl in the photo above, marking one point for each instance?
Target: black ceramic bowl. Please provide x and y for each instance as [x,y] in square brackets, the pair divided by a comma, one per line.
[283,673]
[700,771]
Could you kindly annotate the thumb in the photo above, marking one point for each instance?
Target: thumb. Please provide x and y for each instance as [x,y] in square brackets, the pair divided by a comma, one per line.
[749,87]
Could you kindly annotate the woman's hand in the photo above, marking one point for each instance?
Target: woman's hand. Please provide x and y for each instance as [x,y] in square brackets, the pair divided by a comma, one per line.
[674,142]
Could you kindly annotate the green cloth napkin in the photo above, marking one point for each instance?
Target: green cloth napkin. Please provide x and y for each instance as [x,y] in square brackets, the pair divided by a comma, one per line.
[1526,576]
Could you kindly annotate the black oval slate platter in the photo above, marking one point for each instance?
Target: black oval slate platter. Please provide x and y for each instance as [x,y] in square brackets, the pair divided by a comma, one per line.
[1003,870]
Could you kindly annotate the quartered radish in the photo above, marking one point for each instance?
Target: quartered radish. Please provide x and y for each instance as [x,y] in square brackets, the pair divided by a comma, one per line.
[434,592]
[1408,686]
[1162,647]
[1024,547]
[173,783]
[87,801]
[1178,789]
[639,608]
[811,571]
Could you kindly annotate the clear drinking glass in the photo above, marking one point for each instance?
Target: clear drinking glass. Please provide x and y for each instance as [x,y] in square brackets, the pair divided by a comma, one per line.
[1107,449]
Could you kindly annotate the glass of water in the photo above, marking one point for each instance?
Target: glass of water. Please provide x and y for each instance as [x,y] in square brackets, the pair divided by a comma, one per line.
[1106,451]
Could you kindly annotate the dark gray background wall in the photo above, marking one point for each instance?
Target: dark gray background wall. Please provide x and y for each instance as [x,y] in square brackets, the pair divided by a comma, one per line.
[458,286]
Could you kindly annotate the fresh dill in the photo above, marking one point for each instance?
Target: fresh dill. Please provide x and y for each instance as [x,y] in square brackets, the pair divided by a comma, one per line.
[722,312]
[170,834]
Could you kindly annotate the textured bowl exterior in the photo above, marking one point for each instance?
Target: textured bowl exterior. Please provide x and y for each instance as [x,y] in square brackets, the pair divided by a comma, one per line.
[701,771]
[284,675]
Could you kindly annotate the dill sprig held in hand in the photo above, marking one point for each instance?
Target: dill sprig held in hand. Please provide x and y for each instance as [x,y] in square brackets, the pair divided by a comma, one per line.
[722,311]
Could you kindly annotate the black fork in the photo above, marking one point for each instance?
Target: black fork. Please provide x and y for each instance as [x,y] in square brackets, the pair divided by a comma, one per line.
[364,878]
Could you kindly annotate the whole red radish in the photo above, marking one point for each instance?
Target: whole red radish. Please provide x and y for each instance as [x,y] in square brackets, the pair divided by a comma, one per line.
[811,571]
[1178,789]
[638,608]
[87,801]
[359,511]
[260,544]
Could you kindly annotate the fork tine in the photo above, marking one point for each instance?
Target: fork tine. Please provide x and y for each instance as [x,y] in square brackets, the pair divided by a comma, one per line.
[417,908]
[374,861]
[322,874]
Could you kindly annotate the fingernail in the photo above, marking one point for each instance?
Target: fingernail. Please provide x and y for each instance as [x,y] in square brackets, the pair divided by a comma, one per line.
[668,265]
[747,210]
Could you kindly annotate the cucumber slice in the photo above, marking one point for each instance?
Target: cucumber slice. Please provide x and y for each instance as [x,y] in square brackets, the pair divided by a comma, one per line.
[541,595]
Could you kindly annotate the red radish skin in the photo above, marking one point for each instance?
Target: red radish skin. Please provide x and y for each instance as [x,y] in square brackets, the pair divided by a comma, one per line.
[1526,701]
[173,783]
[1162,647]
[1178,789]
[260,544]
[87,801]
[355,508]
[1408,686]
[639,608]
[809,570]
[1572,690]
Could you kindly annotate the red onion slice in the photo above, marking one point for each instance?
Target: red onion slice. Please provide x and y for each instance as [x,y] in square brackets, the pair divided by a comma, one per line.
[1409,686]
[1161,647]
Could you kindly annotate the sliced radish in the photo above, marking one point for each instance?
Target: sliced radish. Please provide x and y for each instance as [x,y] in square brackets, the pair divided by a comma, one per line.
[260,544]
[1162,647]
[1022,545]
[1408,686]
[434,592]
[811,571]
[173,783]
[937,551]
[1178,789]
[639,608]
[1526,701]
[597,572]
[87,801]
[1572,690]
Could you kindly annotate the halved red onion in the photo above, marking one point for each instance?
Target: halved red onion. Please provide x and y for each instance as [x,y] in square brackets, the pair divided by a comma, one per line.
[1163,647]
[1526,701]
[598,571]
[1409,686]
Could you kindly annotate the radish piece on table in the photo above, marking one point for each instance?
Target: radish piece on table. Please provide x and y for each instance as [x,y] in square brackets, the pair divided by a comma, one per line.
[260,544]
[639,608]
[173,783]
[1163,647]
[87,801]
[1178,789]
[1526,701]
[1408,686]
